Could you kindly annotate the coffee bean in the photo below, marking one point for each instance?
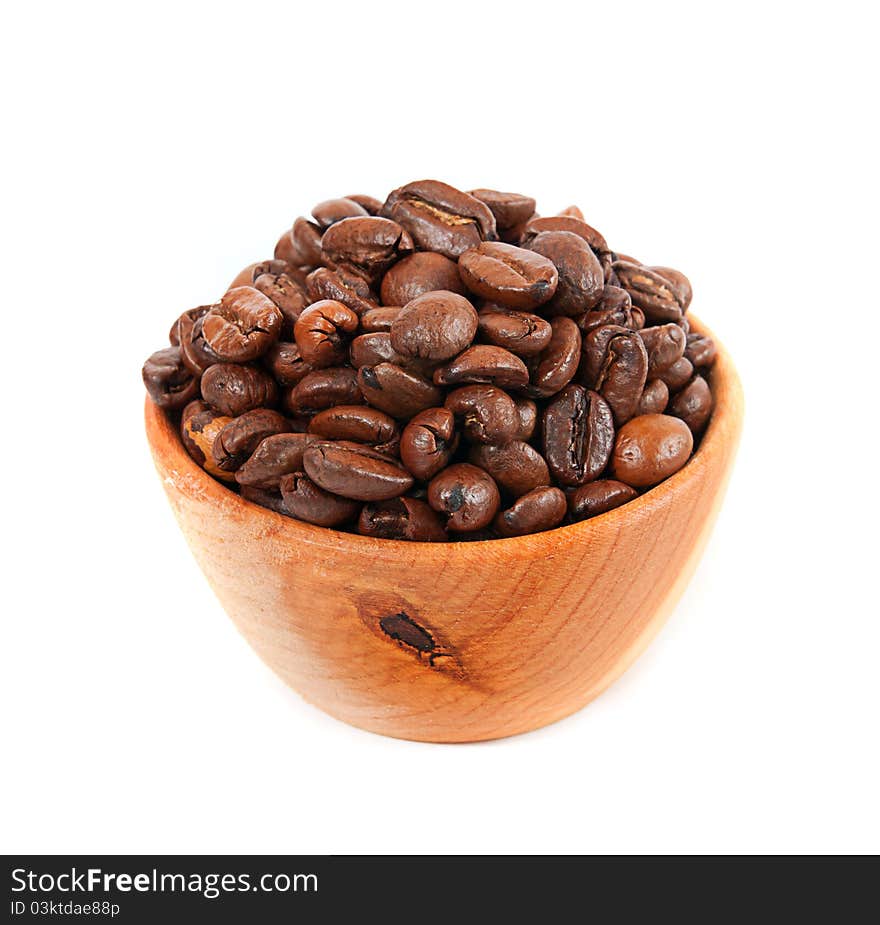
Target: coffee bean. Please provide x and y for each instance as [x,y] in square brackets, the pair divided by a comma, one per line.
[195,352]
[467,495]
[199,426]
[379,319]
[242,435]
[434,326]
[581,279]
[358,424]
[578,431]
[519,332]
[352,470]
[594,352]
[242,326]
[287,294]
[285,249]
[623,375]
[570,224]
[680,284]
[508,275]
[181,330]
[324,388]
[401,519]
[488,414]
[517,467]
[484,364]
[693,404]
[677,375]
[249,275]
[649,449]
[370,204]
[614,308]
[397,391]
[372,349]
[700,350]
[655,397]
[540,509]
[572,212]
[232,389]
[428,442]
[331,211]
[598,497]
[417,274]
[306,238]
[274,457]
[369,244]
[321,331]
[340,285]
[527,418]
[554,367]
[304,500]
[509,209]
[169,382]
[266,498]
[285,363]
[440,218]
[665,344]
[656,296]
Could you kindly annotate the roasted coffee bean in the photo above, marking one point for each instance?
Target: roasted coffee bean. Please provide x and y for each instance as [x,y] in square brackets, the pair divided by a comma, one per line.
[509,275]
[242,326]
[428,442]
[420,273]
[242,435]
[358,424]
[341,285]
[598,497]
[274,457]
[700,350]
[581,280]
[655,397]
[434,326]
[265,498]
[554,367]
[488,414]
[527,418]
[199,426]
[540,509]
[248,276]
[401,519]
[286,364]
[331,211]
[169,382]
[286,250]
[181,330]
[616,308]
[321,331]
[484,364]
[379,319]
[324,388]
[370,204]
[665,344]
[623,375]
[369,244]
[509,209]
[567,223]
[197,356]
[306,238]
[678,375]
[656,296]
[352,470]
[304,500]
[232,389]
[578,431]
[572,212]
[517,467]
[397,391]
[440,218]
[372,349]
[693,404]
[287,294]
[649,449]
[519,332]
[467,495]
[680,284]
[594,352]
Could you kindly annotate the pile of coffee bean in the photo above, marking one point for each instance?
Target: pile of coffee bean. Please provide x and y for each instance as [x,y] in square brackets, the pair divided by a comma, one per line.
[441,365]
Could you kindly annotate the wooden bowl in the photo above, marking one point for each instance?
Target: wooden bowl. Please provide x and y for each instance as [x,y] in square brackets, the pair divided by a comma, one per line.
[453,642]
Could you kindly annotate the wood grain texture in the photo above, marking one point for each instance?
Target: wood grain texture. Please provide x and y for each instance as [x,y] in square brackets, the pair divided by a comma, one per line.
[454,642]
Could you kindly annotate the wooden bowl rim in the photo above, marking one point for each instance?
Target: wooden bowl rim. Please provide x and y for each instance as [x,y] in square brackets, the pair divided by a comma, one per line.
[723,427]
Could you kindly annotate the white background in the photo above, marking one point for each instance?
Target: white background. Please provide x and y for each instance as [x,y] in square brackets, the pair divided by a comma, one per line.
[151,151]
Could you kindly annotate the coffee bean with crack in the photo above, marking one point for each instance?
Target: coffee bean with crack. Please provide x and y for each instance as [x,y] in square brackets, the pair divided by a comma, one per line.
[555,366]
[168,381]
[420,273]
[306,501]
[623,375]
[681,285]
[242,435]
[242,326]
[435,326]
[285,362]
[659,299]
[516,466]
[181,330]
[429,442]
[401,519]
[594,351]
[233,389]
[275,456]
[581,278]
[522,333]
[440,218]
[578,434]
[249,275]
[199,426]
[368,244]
[541,509]
[358,424]
[195,352]
[466,495]
[355,471]
[599,497]
[322,333]
[487,414]
[508,275]
[397,391]
[484,364]
[287,294]
[324,388]
[341,285]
